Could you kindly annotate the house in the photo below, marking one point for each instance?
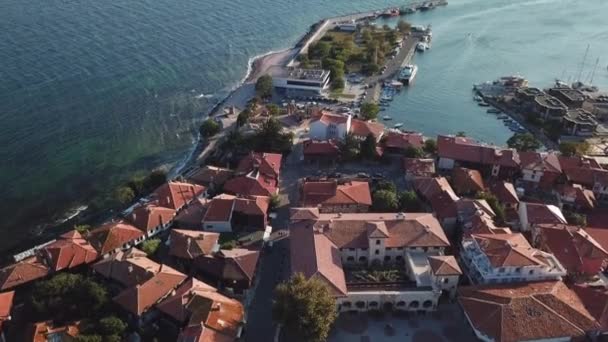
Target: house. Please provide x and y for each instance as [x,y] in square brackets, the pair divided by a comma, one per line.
[507,258]
[467,181]
[577,198]
[482,223]
[206,314]
[6,305]
[191,217]
[212,177]
[595,300]
[468,208]
[399,142]
[48,331]
[540,168]
[361,129]
[233,270]
[176,195]
[69,251]
[191,244]
[140,298]
[445,269]
[418,167]
[540,311]
[600,186]
[440,195]
[128,268]
[114,236]
[333,197]
[505,193]
[258,175]
[338,248]
[151,219]
[428,187]
[327,126]
[580,170]
[23,272]
[320,150]
[572,246]
[226,213]
[538,213]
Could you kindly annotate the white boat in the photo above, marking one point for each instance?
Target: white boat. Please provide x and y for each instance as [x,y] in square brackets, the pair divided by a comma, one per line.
[478,98]
[397,125]
[408,73]
[422,47]
[387,118]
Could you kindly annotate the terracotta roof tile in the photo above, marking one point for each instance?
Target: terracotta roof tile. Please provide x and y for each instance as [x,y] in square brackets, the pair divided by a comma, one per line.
[22,272]
[331,193]
[298,214]
[47,331]
[175,195]
[6,305]
[112,235]
[268,164]
[583,198]
[176,304]
[595,300]
[320,147]
[522,312]
[230,265]
[148,217]
[509,250]
[403,141]
[189,244]
[219,210]
[466,149]
[444,265]
[419,167]
[362,128]
[330,118]
[504,192]
[538,213]
[138,299]
[540,161]
[254,184]
[211,175]
[192,216]
[69,251]
[467,180]
[257,205]
[129,268]
[429,187]
[200,333]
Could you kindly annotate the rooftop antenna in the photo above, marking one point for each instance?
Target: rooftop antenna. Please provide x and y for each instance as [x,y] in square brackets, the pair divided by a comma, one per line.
[597,61]
[583,64]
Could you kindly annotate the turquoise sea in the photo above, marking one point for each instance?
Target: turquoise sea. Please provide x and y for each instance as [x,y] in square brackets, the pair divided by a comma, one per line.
[92,91]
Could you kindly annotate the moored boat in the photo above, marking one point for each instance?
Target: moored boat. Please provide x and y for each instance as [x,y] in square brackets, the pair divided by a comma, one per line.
[387,118]
[494,111]
[408,73]
[397,125]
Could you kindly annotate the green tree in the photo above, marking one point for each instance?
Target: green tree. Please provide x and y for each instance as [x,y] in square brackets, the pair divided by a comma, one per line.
[430,146]
[112,325]
[273,109]
[82,228]
[403,26]
[305,307]
[413,152]
[124,195]
[576,219]
[496,206]
[150,246]
[369,111]
[349,147]
[155,179]
[408,201]
[337,83]
[385,201]
[368,147]
[523,142]
[243,117]
[386,185]
[570,149]
[319,50]
[367,35]
[209,128]
[275,201]
[263,86]
[370,68]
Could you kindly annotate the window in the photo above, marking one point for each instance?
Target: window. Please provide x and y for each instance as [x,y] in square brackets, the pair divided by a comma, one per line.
[531,272]
[401,303]
[427,304]
[350,258]
[377,252]
[360,304]
[388,248]
[377,242]
[352,249]
[426,249]
[399,248]
[501,270]
[446,280]
[362,259]
[414,304]
[346,304]
[373,304]
[518,270]
[387,258]
[399,258]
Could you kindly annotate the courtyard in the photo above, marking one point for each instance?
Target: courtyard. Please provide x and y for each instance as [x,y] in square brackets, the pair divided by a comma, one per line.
[445,325]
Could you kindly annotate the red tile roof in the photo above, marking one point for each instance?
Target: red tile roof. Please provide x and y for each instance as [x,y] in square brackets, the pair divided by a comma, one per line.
[175,195]
[211,175]
[445,205]
[22,272]
[444,265]
[6,305]
[573,247]
[331,193]
[47,331]
[419,167]
[403,141]
[483,224]
[540,161]
[175,305]
[150,216]
[538,213]
[112,235]
[509,250]
[257,205]
[504,192]
[252,185]
[140,298]
[69,251]
[362,128]
[219,210]
[526,311]
[190,244]
[595,300]
[583,198]
[580,170]
[467,180]
[465,149]
[429,187]
[192,215]
[330,118]
[237,264]
[129,268]
[298,214]
[268,164]
[320,147]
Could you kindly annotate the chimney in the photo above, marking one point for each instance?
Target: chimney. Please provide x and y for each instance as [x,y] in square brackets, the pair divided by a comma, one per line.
[401,216]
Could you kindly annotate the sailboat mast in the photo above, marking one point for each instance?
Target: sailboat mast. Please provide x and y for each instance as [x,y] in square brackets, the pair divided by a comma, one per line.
[583,64]
[597,62]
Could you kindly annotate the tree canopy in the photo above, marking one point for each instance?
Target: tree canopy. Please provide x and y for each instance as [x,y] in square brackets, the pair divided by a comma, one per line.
[369,111]
[263,86]
[403,26]
[430,146]
[305,307]
[150,246]
[570,149]
[496,206]
[524,142]
[349,147]
[243,117]
[124,195]
[385,201]
[209,128]
[368,147]
[408,201]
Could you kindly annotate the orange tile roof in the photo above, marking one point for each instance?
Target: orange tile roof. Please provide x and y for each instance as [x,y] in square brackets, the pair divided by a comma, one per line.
[219,210]
[330,118]
[320,147]
[298,214]
[254,184]
[211,175]
[582,197]
[362,128]
[46,331]
[140,298]
[69,251]
[192,215]
[268,164]
[129,268]
[526,311]
[444,265]
[6,305]
[331,193]
[504,192]
[257,205]
[509,250]
[538,213]
[595,300]
[148,217]
[540,161]
[467,149]
[467,180]
[419,167]
[190,244]
[429,187]
[403,141]
[112,235]
[175,195]
[22,272]
[176,304]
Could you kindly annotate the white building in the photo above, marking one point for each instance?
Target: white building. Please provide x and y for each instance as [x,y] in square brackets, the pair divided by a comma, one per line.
[507,258]
[340,248]
[295,79]
[330,126]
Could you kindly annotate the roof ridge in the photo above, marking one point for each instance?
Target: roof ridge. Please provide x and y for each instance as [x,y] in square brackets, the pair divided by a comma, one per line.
[533,297]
